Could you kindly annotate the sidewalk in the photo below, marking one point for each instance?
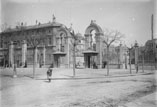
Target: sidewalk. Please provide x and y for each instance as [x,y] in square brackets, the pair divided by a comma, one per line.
[146,101]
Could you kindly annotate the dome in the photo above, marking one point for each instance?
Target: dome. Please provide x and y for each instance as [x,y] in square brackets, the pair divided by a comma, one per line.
[79,36]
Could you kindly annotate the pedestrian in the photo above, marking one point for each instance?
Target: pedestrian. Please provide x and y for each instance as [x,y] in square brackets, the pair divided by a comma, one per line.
[49,74]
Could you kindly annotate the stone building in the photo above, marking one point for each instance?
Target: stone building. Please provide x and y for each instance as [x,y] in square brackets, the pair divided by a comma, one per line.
[52,42]
[95,49]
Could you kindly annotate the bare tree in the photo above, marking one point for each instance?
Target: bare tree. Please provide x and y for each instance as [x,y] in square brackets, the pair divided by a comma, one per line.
[143,50]
[74,42]
[109,37]
[34,41]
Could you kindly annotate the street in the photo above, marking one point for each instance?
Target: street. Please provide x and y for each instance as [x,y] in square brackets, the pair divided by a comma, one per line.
[90,88]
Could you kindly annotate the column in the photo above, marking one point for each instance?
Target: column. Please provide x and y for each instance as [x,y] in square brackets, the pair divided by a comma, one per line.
[44,50]
[24,53]
[11,54]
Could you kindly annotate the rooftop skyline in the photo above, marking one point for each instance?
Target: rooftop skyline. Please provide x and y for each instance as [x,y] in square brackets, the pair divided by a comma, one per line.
[130,17]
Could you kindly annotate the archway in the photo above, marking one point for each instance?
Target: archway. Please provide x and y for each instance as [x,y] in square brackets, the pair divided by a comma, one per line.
[93,52]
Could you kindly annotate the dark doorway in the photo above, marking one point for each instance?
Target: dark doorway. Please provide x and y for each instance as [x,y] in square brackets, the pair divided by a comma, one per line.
[56,60]
[88,61]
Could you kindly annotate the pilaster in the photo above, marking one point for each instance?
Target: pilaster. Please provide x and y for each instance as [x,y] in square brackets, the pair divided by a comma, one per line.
[99,49]
[24,53]
[11,54]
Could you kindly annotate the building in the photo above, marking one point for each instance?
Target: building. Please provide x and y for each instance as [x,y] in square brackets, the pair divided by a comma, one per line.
[95,49]
[48,44]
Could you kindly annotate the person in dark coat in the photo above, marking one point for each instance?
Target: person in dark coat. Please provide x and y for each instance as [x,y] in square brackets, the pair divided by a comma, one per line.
[49,74]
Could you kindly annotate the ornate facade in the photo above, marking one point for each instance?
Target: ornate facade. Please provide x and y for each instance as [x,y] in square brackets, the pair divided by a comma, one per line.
[50,44]
[95,49]
[51,40]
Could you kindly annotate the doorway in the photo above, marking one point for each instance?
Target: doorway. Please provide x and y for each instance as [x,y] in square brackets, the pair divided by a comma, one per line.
[56,60]
[88,61]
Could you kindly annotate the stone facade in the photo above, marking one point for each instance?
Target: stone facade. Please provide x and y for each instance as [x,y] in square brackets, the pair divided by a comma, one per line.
[95,50]
[49,45]
[51,40]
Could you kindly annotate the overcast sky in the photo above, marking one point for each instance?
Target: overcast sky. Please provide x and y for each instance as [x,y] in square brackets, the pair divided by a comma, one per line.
[131,17]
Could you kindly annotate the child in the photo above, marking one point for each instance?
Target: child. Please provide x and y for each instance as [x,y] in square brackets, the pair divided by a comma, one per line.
[49,74]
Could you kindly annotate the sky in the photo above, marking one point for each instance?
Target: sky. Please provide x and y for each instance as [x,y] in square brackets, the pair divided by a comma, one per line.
[130,17]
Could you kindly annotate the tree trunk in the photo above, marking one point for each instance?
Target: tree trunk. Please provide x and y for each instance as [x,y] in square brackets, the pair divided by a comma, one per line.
[143,62]
[34,62]
[130,62]
[107,60]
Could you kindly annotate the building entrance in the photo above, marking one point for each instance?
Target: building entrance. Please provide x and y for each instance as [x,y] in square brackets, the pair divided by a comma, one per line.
[59,59]
[88,61]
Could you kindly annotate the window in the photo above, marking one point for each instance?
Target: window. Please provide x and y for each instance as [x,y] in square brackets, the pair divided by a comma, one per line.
[49,40]
[2,44]
[18,43]
[5,44]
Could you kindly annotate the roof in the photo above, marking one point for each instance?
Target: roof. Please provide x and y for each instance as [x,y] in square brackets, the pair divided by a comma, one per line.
[151,41]
[79,36]
[50,24]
